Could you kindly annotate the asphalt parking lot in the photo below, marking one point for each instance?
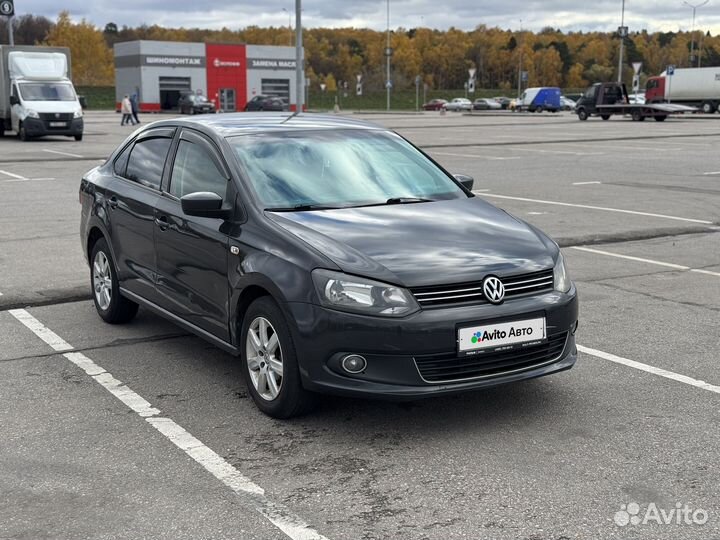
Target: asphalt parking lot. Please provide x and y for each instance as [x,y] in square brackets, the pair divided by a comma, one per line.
[144,431]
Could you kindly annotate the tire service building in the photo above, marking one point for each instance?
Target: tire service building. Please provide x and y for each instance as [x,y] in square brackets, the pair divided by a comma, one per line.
[159,72]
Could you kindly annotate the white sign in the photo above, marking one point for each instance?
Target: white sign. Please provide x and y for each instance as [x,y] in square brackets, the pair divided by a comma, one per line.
[323,86]
[636,67]
[501,335]
[472,72]
[225,63]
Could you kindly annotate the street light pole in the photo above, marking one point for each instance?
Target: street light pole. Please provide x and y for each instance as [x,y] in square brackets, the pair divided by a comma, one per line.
[692,32]
[299,71]
[622,43]
[387,55]
[11,37]
[289,26]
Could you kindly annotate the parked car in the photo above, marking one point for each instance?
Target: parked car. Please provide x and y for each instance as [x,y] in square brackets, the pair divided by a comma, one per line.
[567,104]
[266,103]
[195,104]
[504,101]
[485,104]
[459,104]
[267,235]
[434,104]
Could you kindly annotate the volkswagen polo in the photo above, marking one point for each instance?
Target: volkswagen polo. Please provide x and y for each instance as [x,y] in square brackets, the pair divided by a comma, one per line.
[330,255]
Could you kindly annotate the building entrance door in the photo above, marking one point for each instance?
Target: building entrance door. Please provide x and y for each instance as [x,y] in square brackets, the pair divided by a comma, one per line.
[227,100]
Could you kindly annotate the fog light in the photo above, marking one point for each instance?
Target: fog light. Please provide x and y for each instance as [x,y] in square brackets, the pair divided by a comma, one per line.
[354,363]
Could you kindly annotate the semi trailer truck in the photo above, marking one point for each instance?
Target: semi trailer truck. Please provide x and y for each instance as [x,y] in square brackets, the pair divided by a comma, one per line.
[696,87]
[37,97]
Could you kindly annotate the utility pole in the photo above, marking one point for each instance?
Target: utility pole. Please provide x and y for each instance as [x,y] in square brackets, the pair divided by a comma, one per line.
[388,53]
[692,32]
[299,71]
[10,31]
[623,32]
[520,63]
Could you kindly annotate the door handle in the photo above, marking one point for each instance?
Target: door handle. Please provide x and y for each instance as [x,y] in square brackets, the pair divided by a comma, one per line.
[113,202]
[162,222]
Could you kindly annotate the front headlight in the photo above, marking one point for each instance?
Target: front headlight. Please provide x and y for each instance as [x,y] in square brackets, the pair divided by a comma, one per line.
[360,295]
[32,114]
[561,277]
[77,114]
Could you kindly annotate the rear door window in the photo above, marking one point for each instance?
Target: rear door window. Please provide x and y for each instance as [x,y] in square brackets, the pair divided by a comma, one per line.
[147,161]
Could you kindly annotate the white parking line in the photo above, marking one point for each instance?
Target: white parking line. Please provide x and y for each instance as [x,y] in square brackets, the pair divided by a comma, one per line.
[648,261]
[492,158]
[585,183]
[62,153]
[705,173]
[294,527]
[604,209]
[536,150]
[13,175]
[651,369]
[12,180]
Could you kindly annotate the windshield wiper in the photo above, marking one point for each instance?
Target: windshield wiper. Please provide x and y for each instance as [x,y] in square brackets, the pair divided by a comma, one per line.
[303,208]
[406,200]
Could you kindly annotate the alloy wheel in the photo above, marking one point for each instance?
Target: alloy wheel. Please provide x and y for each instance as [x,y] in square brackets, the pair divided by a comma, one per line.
[102,280]
[264,358]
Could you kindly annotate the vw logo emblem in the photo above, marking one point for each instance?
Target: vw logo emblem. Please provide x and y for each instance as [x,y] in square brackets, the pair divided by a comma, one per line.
[493,289]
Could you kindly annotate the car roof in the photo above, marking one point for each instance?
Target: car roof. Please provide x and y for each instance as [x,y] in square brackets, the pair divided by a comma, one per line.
[230,124]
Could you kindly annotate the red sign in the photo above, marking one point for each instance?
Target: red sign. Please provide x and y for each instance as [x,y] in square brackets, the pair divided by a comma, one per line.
[227,69]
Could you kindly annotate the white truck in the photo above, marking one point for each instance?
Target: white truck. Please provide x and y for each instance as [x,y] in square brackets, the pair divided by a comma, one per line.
[37,97]
[697,87]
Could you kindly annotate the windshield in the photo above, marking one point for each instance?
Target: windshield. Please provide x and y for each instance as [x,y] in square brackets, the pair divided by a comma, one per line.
[339,168]
[47,92]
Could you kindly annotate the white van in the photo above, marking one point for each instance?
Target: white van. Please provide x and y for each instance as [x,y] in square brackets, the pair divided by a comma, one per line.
[37,97]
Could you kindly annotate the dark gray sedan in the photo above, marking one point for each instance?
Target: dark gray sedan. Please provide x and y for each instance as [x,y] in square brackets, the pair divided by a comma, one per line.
[330,255]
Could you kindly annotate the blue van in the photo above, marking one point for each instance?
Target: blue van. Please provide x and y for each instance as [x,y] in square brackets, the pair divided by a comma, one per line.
[544,98]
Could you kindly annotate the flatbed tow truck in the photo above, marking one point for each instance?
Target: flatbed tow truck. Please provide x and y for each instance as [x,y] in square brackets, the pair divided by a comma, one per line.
[608,99]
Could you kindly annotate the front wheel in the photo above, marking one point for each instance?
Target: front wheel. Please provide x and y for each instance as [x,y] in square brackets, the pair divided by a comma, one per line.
[78,137]
[539,110]
[22,133]
[112,307]
[582,114]
[269,361]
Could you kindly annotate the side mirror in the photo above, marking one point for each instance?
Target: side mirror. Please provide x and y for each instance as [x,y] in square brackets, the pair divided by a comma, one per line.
[466,181]
[204,204]
[14,100]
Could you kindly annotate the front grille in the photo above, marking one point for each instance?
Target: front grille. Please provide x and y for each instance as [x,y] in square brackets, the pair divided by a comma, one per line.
[463,293]
[448,367]
[59,117]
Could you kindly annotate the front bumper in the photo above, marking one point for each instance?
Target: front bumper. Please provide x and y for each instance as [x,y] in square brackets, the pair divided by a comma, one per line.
[395,348]
[36,127]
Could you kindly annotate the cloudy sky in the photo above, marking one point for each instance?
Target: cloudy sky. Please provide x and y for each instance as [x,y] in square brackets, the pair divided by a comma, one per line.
[665,15]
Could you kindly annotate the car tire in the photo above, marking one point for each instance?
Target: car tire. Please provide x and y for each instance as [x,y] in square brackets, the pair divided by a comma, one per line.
[636,115]
[78,137]
[112,307]
[708,107]
[605,116]
[582,114]
[539,110]
[22,133]
[660,118]
[268,354]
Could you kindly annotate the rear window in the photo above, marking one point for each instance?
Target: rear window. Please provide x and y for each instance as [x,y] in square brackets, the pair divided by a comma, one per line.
[147,160]
[121,161]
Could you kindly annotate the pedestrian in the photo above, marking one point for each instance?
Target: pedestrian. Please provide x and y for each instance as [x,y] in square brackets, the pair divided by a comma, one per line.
[126,110]
[135,107]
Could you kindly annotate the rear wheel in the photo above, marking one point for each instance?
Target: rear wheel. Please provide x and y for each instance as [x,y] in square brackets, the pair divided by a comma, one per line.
[112,307]
[582,114]
[708,107]
[605,116]
[637,115]
[660,118]
[78,137]
[539,110]
[269,361]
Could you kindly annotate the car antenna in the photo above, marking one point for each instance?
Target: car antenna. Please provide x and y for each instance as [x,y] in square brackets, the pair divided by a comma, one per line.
[293,115]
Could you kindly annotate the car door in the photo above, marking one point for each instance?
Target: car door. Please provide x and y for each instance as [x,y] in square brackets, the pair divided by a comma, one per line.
[192,252]
[132,195]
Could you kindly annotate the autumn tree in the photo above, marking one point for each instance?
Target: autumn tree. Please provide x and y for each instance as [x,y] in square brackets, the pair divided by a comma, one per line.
[92,59]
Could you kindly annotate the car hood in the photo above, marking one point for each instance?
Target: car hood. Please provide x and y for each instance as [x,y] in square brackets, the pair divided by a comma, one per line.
[423,243]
